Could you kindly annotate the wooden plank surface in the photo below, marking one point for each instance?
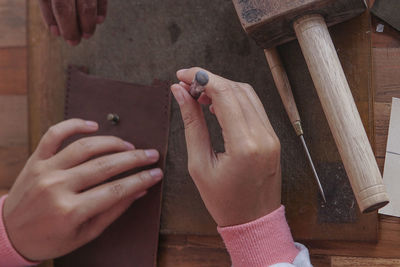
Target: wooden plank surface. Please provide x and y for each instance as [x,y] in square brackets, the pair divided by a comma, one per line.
[322,252]
[382,119]
[13,67]
[13,137]
[386,82]
[362,262]
[389,38]
[386,73]
[46,98]
[13,91]
[12,23]
[388,245]
[185,249]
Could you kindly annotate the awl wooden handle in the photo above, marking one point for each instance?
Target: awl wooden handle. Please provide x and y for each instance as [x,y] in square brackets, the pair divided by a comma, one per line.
[341,112]
[283,85]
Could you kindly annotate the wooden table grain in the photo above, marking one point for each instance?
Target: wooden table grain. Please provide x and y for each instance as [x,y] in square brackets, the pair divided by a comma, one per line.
[208,250]
[13,90]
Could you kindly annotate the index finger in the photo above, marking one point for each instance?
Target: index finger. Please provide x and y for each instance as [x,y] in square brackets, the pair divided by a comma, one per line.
[53,138]
[226,106]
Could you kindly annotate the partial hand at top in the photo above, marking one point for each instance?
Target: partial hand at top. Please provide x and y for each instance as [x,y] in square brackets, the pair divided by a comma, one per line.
[73,19]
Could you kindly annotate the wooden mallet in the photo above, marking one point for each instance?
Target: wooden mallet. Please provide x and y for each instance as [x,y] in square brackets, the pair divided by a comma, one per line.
[273,22]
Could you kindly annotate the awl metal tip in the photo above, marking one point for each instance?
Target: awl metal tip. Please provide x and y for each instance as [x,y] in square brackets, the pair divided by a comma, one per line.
[321,190]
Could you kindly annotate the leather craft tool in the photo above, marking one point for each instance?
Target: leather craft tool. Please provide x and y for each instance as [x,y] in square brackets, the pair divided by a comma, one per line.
[273,22]
[285,91]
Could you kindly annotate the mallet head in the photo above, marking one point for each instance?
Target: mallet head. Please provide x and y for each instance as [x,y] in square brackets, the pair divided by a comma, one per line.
[270,22]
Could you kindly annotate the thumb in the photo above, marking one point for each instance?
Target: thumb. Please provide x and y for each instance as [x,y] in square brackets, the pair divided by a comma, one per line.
[196,132]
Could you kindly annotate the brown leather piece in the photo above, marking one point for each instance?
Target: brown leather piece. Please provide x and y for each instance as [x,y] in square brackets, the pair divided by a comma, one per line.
[144,111]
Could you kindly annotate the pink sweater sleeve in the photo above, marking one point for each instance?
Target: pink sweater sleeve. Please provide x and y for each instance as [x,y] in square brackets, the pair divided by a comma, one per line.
[9,257]
[260,243]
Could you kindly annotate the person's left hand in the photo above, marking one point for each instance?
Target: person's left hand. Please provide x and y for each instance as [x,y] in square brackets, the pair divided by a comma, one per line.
[73,19]
[64,199]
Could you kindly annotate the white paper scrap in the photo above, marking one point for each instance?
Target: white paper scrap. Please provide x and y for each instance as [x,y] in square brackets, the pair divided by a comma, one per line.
[391,175]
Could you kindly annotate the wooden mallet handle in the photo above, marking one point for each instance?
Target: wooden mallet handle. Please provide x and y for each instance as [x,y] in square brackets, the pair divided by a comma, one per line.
[283,85]
[341,112]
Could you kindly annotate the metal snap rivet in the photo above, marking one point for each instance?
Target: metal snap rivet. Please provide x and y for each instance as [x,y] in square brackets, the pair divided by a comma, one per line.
[113,118]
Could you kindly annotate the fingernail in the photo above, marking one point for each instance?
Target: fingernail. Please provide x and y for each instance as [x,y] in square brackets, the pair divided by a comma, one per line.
[86,35]
[54,30]
[152,154]
[212,109]
[180,98]
[140,195]
[157,174]
[92,124]
[72,43]
[181,71]
[129,145]
[100,19]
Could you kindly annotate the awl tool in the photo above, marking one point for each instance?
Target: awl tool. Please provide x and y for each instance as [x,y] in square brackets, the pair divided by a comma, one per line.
[285,91]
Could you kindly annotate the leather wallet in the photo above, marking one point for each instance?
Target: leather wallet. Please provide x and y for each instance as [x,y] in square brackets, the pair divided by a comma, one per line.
[138,114]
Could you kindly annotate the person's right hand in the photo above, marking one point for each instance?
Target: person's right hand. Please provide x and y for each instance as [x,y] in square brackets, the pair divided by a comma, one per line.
[243,183]
[62,200]
[73,19]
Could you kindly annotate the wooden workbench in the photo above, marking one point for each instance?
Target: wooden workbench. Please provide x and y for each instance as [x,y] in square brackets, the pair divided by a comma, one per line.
[200,250]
